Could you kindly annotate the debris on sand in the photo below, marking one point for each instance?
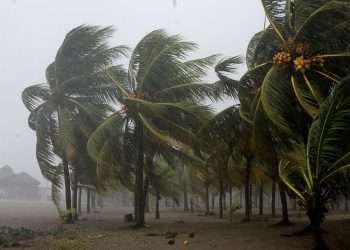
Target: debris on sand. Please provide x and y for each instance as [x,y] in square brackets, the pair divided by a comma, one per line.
[170,235]
[191,235]
[153,234]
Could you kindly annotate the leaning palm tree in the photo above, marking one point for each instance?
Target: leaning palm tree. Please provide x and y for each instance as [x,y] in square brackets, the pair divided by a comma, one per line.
[299,58]
[77,86]
[152,95]
[327,159]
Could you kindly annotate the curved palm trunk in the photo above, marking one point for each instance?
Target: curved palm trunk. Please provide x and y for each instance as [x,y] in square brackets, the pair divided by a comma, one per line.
[139,192]
[69,216]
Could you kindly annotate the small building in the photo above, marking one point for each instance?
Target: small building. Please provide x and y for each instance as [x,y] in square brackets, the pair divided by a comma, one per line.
[19,186]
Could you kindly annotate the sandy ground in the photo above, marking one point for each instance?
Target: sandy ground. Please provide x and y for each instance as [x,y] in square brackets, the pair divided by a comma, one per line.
[106,231]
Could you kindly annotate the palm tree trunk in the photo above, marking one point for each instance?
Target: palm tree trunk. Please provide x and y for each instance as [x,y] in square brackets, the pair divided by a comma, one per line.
[135,205]
[147,207]
[230,191]
[88,200]
[139,192]
[212,201]
[314,217]
[295,205]
[241,197]
[79,201]
[224,199]
[69,217]
[149,171]
[145,195]
[207,209]
[273,199]
[248,202]
[75,194]
[221,198]
[174,204]
[261,199]
[191,205]
[93,201]
[157,204]
[185,189]
[283,195]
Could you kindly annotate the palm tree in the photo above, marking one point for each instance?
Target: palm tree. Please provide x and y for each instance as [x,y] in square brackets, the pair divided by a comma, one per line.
[77,85]
[164,182]
[327,159]
[220,141]
[152,95]
[299,58]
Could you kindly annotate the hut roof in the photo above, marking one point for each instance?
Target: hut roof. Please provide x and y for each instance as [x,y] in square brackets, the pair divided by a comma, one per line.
[21,179]
[6,171]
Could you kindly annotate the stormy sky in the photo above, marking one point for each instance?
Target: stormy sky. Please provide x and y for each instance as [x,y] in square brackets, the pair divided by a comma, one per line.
[32,30]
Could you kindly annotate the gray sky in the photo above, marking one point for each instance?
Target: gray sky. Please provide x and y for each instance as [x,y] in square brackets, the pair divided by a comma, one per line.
[32,30]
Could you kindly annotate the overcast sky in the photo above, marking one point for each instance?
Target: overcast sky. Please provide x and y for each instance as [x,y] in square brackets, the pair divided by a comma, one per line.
[32,30]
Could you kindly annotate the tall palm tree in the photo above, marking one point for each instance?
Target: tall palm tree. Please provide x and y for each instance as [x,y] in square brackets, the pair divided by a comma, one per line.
[327,159]
[300,57]
[152,94]
[77,86]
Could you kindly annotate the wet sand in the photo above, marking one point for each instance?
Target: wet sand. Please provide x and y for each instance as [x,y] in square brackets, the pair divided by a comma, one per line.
[106,230]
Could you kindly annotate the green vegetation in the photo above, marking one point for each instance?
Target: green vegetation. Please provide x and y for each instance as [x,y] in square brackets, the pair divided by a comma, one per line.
[145,126]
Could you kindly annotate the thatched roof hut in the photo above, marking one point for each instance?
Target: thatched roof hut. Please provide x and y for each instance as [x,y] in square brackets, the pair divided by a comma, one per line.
[17,186]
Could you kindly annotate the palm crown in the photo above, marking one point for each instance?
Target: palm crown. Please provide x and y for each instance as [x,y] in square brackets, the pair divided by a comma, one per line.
[295,62]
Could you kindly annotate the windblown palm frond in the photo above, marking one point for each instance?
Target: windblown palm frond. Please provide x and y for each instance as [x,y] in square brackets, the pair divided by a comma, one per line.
[327,153]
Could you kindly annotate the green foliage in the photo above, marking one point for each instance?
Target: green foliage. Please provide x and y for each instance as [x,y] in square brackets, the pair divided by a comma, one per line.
[158,96]
[75,99]
[313,37]
[327,154]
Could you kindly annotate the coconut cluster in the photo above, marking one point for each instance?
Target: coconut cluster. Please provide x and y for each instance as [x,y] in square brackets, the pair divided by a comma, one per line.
[297,54]
[282,58]
[302,64]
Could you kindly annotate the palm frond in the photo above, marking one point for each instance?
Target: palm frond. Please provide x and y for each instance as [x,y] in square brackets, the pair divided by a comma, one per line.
[35,95]
[329,134]
[251,50]
[276,99]
[277,12]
